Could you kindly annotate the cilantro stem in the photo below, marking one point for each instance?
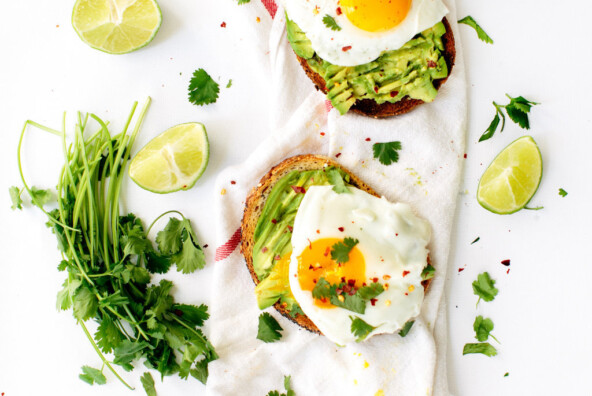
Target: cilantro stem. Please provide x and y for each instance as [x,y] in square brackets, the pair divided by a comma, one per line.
[161,216]
[103,358]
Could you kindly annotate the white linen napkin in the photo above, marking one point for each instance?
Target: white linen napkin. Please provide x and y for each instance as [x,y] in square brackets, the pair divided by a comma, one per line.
[427,176]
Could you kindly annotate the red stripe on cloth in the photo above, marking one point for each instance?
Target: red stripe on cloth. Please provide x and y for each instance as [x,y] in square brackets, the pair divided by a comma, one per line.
[226,250]
[270,6]
[328,105]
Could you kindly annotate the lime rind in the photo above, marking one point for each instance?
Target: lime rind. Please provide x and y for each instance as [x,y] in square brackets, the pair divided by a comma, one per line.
[511,174]
[102,28]
[173,160]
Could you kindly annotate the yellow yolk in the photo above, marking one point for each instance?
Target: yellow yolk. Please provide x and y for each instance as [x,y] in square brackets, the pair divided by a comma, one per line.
[375,15]
[315,263]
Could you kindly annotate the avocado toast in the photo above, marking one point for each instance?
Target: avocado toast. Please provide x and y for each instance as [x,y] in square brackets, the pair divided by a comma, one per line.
[267,224]
[395,83]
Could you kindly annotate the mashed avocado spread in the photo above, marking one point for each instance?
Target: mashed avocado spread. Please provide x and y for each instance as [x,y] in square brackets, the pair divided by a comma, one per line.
[407,71]
[273,233]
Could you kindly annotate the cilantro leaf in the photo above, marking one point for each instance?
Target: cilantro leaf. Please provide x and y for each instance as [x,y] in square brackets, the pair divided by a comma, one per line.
[85,304]
[562,192]
[169,239]
[482,328]
[287,386]
[345,296]
[108,335]
[340,250]
[241,2]
[128,350]
[518,110]
[469,21]
[490,131]
[330,22]
[202,88]
[360,329]
[428,272]
[15,197]
[484,347]
[190,258]
[371,291]
[387,153]
[229,83]
[322,289]
[92,376]
[269,329]
[406,328]
[476,240]
[66,295]
[157,264]
[336,179]
[40,197]
[148,384]
[192,314]
[177,240]
[484,287]
[200,371]
[507,374]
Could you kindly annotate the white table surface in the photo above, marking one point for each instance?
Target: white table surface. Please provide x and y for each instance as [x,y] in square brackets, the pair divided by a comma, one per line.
[541,314]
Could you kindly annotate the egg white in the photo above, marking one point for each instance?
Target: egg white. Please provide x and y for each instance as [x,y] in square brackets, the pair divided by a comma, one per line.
[391,238]
[365,46]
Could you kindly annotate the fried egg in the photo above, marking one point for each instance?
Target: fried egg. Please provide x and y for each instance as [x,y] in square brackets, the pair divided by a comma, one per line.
[366,28]
[391,249]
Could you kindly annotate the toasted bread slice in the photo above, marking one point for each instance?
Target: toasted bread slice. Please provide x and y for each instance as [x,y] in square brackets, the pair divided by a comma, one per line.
[256,200]
[369,107]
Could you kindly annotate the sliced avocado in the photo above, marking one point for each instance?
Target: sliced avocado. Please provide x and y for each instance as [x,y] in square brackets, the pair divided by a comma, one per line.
[408,71]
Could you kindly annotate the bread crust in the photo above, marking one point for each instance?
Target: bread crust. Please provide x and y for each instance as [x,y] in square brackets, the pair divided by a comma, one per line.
[256,200]
[369,107]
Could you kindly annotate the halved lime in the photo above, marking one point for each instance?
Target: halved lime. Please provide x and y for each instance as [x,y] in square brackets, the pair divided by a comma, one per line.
[173,160]
[512,178]
[116,26]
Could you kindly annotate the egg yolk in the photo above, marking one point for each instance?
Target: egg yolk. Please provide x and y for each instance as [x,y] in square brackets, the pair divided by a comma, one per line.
[315,263]
[375,15]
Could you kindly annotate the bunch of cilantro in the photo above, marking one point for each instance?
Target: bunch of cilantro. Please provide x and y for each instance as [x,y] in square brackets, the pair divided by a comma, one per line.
[108,262]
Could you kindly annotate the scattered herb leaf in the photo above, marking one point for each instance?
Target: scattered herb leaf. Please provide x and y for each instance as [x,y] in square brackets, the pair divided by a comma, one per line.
[517,110]
[360,329]
[15,197]
[484,287]
[476,240]
[345,296]
[229,83]
[202,88]
[340,250]
[40,197]
[241,2]
[507,374]
[403,332]
[428,272]
[387,153]
[562,192]
[484,347]
[92,376]
[336,179]
[482,328]
[469,21]
[269,328]
[148,384]
[287,387]
[330,22]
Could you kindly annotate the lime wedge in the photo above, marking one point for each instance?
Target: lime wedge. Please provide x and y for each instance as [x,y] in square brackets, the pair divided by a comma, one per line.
[116,26]
[512,178]
[173,160]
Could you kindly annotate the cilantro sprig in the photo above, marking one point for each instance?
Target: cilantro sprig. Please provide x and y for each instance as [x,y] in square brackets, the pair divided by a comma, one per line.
[109,261]
[469,21]
[287,387]
[202,88]
[340,250]
[359,328]
[483,328]
[330,22]
[387,153]
[346,296]
[562,192]
[269,328]
[517,110]
[484,287]
[484,348]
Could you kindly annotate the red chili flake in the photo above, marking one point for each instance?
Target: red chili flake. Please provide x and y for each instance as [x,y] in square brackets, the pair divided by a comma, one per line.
[343,279]
[232,182]
[364,284]
[397,234]
[290,228]
[367,139]
[432,64]
[314,281]
[205,246]
[351,291]
[375,89]
[327,251]
[298,189]
[338,10]
[405,273]
[351,282]
[274,221]
[346,48]
[373,301]
[508,271]
[322,133]
[178,312]
[309,244]
[394,93]
[374,280]
[337,155]
[184,186]
[278,257]
[465,155]
[223,24]
[406,294]
[461,269]
[341,229]
[265,249]
[506,262]
[318,231]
